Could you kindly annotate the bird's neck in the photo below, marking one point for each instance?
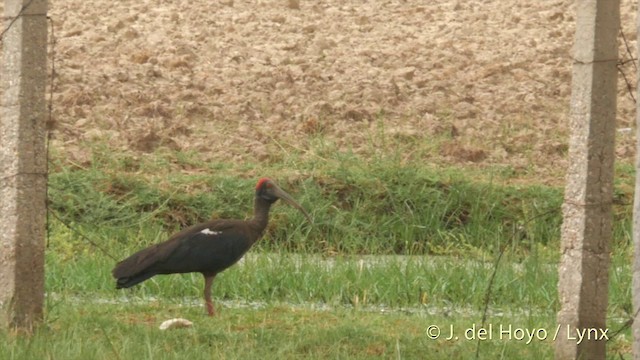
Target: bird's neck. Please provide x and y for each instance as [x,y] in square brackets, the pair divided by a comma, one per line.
[260,214]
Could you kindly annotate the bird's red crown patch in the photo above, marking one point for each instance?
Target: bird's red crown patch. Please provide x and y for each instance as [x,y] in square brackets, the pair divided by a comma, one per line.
[261,181]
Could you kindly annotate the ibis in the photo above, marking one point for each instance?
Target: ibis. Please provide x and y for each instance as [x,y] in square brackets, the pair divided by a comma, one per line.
[207,248]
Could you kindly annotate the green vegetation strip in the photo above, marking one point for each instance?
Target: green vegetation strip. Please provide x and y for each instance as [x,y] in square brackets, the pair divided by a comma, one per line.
[394,249]
[379,208]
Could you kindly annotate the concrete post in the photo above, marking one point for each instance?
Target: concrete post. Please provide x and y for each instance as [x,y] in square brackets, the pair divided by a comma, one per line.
[586,229]
[23,163]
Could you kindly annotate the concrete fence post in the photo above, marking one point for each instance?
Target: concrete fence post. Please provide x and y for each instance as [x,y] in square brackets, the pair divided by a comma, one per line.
[23,163]
[586,229]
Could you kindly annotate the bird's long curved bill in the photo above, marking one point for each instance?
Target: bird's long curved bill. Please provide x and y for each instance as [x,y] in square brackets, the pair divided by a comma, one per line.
[289,200]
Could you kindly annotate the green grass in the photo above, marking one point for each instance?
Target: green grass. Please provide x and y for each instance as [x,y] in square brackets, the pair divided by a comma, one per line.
[394,248]
[380,208]
[417,281]
[305,306]
[274,331]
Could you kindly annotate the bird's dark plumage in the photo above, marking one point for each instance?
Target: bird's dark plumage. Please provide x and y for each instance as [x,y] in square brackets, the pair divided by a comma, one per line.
[208,248]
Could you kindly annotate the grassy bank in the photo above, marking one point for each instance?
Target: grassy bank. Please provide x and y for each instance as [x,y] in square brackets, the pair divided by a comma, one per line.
[381,207]
[384,207]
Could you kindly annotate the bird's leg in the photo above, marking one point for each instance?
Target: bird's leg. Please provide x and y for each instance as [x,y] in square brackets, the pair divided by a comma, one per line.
[208,280]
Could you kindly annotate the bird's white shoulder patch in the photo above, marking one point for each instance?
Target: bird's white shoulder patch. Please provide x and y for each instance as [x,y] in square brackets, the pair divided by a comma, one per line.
[207,231]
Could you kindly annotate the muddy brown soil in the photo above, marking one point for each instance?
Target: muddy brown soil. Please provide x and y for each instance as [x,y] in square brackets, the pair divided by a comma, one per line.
[487,80]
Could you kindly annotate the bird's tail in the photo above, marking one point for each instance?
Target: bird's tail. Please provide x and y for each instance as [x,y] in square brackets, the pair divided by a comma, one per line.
[136,268]
[129,281]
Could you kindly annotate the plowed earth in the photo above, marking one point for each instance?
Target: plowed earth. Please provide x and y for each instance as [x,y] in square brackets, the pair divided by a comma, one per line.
[487,80]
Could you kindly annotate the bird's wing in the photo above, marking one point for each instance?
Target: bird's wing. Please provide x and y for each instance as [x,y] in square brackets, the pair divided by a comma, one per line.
[145,259]
[206,251]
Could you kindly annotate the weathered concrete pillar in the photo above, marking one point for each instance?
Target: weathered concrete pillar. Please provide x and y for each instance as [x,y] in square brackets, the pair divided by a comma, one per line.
[23,163]
[586,229]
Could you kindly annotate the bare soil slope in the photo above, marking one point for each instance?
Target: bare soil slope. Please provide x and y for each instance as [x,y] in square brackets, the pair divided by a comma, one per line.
[489,80]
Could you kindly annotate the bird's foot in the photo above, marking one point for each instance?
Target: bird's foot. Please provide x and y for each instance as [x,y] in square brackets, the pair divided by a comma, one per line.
[210,310]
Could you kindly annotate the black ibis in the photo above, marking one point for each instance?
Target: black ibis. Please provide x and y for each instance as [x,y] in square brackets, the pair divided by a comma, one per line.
[207,248]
